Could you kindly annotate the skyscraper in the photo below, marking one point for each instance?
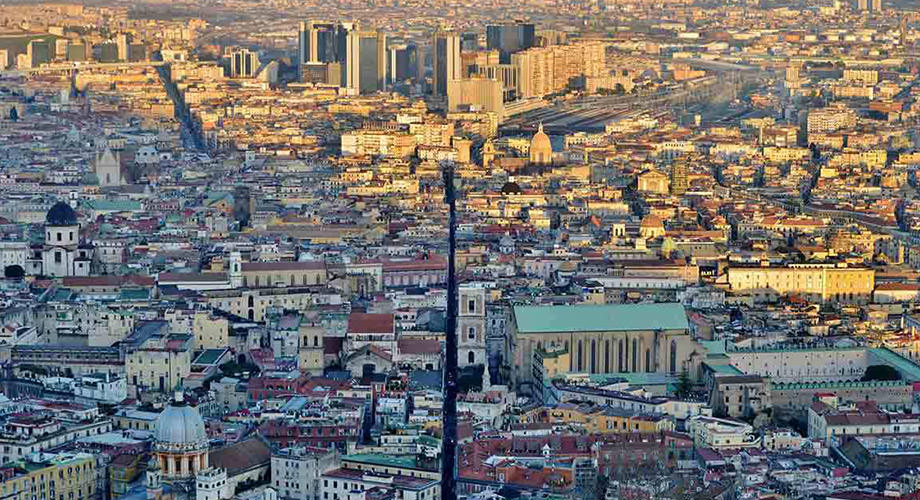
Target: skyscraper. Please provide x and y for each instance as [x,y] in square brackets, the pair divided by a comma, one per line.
[365,65]
[321,42]
[402,63]
[445,61]
[123,41]
[244,63]
[509,38]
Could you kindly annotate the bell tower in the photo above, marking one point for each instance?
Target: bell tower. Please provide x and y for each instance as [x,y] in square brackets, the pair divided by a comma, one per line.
[471,329]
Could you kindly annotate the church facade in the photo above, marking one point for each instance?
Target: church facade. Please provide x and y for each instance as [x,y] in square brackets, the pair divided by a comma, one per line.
[62,253]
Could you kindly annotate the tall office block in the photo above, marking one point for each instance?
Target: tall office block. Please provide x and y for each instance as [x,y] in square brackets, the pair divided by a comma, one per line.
[402,63]
[244,63]
[365,65]
[40,51]
[509,38]
[321,42]
[469,42]
[480,94]
[123,41]
[445,61]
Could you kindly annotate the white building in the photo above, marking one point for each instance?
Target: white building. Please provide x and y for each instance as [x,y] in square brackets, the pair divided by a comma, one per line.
[13,253]
[720,433]
[62,254]
[296,472]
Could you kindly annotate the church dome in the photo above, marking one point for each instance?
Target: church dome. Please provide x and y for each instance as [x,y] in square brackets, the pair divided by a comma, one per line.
[61,215]
[541,150]
[180,426]
[511,188]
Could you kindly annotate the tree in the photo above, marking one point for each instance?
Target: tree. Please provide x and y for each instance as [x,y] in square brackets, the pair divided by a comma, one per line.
[684,385]
[14,114]
[14,271]
[881,372]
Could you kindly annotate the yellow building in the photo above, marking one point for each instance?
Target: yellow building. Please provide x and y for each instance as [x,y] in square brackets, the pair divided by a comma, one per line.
[273,274]
[816,282]
[600,420]
[555,361]
[211,331]
[159,364]
[64,475]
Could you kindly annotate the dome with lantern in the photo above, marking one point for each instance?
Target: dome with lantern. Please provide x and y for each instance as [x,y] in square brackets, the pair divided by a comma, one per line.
[541,149]
[180,440]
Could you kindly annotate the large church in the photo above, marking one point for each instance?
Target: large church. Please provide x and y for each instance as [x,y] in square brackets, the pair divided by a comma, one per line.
[183,466]
[62,254]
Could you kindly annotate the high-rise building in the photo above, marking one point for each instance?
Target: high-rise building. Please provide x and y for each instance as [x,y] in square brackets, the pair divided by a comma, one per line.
[509,38]
[545,70]
[325,73]
[445,61]
[40,51]
[469,42]
[478,94]
[123,41]
[321,42]
[366,61]
[402,63]
[869,5]
[244,63]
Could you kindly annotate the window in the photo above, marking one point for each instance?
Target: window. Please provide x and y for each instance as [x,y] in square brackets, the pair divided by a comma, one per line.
[673,361]
[580,361]
[472,333]
[607,356]
[593,356]
[57,256]
[471,305]
[635,355]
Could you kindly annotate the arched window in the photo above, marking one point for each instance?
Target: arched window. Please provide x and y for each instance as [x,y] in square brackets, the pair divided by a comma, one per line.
[635,356]
[620,356]
[648,360]
[251,301]
[593,356]
[607,356]
[580,363]
[673,354]
[472,333]
[471,357]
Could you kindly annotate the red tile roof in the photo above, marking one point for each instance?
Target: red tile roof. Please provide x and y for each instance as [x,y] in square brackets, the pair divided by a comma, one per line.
[370,323]
[418,346]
